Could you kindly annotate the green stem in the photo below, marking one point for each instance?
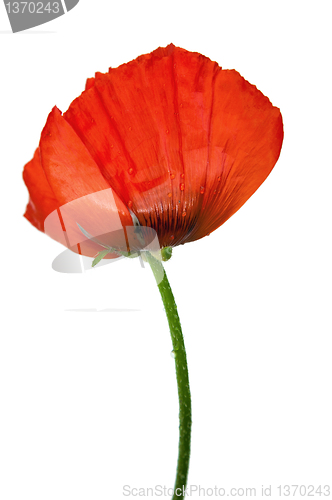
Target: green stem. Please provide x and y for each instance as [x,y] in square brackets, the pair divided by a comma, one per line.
[181,375]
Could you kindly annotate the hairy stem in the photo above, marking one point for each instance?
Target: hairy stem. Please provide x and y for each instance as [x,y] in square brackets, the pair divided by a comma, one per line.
[181,375]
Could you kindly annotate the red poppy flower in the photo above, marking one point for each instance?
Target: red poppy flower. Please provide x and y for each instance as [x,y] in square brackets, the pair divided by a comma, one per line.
[169,142]
[170,137]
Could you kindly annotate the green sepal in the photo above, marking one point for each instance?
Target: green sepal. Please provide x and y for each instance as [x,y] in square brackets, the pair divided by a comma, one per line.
[100,256]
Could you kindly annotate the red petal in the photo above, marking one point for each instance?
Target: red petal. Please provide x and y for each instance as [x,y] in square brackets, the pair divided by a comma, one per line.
[164,127]
[245,140]
[84,195]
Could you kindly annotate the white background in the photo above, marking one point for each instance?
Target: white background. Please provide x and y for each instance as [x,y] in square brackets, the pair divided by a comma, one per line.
[88,399]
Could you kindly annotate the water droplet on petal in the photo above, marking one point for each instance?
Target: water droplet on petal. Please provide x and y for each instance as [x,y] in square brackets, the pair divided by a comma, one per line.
[184,214]
[182,186]
[202,189]
[172,176]
[130,171]
[169,195]
[219,179]
[172,237]
[129,128]
[130,204]
[167,131]
[182,176]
